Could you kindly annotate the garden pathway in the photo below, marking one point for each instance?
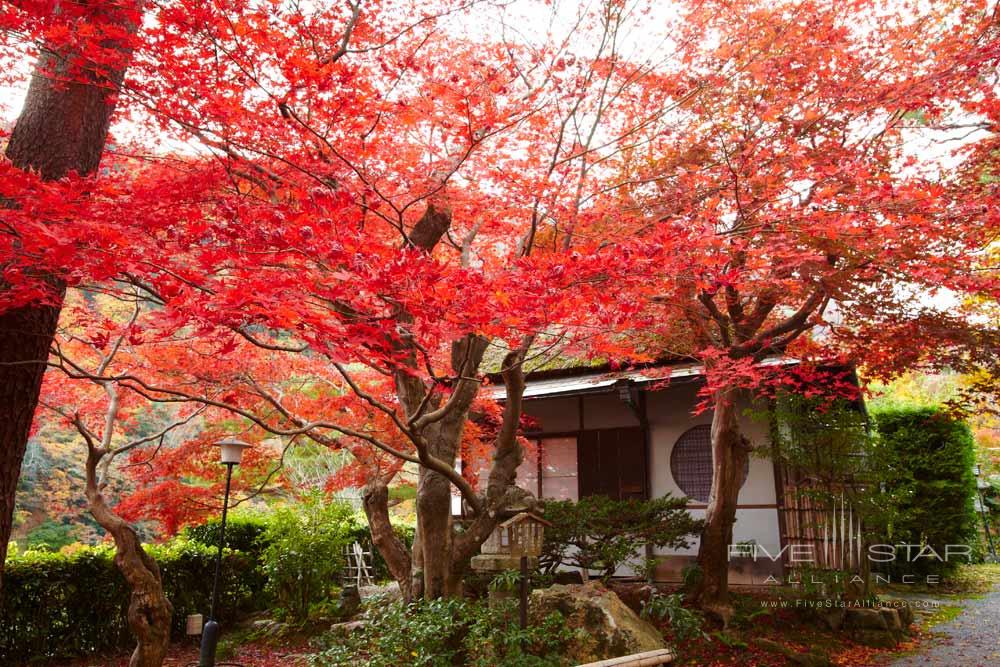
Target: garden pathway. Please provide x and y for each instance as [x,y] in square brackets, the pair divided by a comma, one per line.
[970,640]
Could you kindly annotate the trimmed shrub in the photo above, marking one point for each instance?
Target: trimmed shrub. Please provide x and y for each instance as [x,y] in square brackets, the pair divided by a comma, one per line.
[931,455]
[598,533]
[243,532]
[59,605]
[247,533]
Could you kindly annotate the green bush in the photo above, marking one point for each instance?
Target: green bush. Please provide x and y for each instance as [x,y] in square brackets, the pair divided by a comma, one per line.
[247,533]
[67,605]
[303,553]
[598,533]
[443,633]
[685,623]
[930,455]
[243,532]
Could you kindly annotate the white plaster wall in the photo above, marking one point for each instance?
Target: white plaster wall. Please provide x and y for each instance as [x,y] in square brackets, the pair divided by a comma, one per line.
[670,414]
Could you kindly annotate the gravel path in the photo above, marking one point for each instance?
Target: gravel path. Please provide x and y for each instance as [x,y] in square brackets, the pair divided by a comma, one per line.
[971,640]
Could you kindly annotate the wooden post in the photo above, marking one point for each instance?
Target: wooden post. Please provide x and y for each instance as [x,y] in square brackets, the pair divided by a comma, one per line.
[524,592]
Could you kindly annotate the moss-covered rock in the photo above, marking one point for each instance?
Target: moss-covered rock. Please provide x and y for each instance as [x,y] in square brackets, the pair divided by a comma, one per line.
[606,627]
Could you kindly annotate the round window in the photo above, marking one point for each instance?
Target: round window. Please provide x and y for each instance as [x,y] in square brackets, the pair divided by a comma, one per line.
[691,463]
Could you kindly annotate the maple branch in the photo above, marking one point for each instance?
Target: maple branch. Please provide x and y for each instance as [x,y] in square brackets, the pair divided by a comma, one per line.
[797,322]
[720,318]
[346,38]
[241,330]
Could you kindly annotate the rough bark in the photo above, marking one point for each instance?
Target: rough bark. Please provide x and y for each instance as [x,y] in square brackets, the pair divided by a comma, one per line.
[440,556]
[507,456]
[730,451]
[62,128]
[149,611]
[435,521]
[25,336]
[375,499]
[443,438]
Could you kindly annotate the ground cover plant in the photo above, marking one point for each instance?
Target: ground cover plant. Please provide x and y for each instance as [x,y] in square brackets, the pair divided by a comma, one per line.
[442,633]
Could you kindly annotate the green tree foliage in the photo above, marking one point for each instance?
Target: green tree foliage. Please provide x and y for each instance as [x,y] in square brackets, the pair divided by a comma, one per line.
[600,534]
[930,455]
[832,456]
[243,532]
[50,536]
[303,552]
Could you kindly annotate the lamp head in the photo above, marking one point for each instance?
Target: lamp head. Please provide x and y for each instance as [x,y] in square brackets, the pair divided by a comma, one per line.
[232,450]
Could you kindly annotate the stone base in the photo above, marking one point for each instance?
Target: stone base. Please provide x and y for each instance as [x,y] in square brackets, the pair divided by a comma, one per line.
[488,563]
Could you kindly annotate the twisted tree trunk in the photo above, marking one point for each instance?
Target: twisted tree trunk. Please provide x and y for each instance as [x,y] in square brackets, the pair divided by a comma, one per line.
[440,555]
[61,129]
[375,499]
[149,611]
[730,452]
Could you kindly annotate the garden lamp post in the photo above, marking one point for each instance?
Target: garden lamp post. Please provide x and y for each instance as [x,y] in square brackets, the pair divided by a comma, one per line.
[232,454]
[977,471]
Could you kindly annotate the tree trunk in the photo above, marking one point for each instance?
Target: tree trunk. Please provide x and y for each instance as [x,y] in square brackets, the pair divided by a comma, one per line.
[62,128]
[25,336]
[730,451]
[375,498]
[434,519]
[149,611]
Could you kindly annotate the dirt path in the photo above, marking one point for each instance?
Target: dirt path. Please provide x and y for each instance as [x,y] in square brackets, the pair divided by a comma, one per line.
[970,640]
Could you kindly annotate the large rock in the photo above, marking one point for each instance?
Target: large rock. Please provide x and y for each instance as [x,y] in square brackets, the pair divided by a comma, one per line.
[349,602]
[865,618]
[891,617]
[606,627]
[880,627]
[906,615]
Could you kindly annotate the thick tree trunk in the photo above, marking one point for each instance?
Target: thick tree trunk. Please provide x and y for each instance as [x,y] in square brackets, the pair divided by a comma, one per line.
[434,519]
[62,128]
[149,611]
[730,451]
[25,336]
[375,498]
[417,567]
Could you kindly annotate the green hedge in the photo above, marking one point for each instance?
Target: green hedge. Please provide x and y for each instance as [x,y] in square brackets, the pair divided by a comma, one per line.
[58,605]
[930,456]
[243,532]
[246,533]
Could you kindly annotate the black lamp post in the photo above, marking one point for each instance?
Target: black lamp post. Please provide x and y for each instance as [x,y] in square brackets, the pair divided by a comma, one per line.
[232,454]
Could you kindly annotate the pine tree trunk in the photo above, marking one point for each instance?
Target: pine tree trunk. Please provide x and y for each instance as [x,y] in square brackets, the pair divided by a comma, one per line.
[149,611]
[62,128]
[730,452]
